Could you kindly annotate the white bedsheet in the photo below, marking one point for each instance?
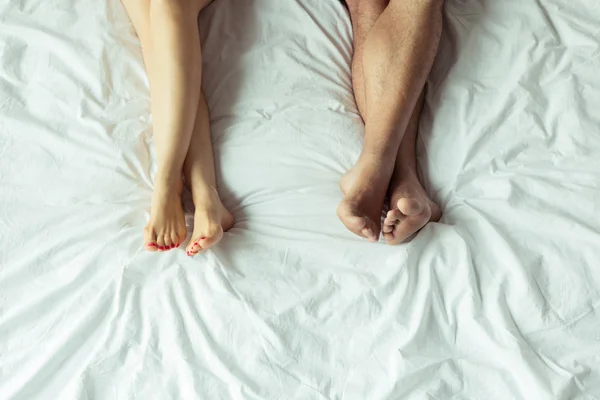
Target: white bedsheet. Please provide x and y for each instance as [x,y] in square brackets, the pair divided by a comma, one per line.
[498,301]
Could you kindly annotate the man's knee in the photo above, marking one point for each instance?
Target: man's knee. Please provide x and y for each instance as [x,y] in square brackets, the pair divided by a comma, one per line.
[419,3]
[366,6]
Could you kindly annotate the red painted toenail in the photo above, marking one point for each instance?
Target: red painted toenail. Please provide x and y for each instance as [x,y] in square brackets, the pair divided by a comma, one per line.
[203,237]
[151,245]
[161,248]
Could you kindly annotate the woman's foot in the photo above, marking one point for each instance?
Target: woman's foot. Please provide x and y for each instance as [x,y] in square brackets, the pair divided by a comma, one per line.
[166,228]
[211,219]
[410,209]
[364,187]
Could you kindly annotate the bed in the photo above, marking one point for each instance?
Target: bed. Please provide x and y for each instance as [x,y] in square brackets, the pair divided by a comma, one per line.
[497,301]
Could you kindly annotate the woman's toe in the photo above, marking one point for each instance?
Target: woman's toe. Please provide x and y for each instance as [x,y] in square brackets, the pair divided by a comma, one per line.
[150,240]
[160,243]
[168,242]
[174,241]
[151,247]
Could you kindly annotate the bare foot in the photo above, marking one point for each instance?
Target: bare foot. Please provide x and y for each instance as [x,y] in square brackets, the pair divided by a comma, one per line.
[364,187]
[166,228]
[410,209]
[211,219]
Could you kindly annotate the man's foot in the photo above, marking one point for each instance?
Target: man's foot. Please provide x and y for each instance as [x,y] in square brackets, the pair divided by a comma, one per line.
[410,209]
[166,228]
[211,219]
[364,187]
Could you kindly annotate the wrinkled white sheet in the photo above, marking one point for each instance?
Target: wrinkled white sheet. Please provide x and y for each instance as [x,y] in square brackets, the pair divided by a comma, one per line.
[498,301]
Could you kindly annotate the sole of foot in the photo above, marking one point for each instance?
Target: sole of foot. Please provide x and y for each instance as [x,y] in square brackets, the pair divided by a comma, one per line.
[410,210]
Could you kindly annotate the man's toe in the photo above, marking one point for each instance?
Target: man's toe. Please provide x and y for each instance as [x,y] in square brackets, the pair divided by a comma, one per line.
[410,206]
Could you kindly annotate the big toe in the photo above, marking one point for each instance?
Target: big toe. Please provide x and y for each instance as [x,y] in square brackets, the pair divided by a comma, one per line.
[150,243]
[410,206]
[356,223]
[202,241]
[405,221]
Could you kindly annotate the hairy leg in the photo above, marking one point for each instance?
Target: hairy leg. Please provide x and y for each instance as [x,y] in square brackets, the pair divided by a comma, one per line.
[363,17]
[410,206]
[168,31]
[393,55]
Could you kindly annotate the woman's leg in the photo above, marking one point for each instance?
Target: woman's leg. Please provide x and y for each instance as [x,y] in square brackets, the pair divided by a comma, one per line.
[168,31]
[211,218]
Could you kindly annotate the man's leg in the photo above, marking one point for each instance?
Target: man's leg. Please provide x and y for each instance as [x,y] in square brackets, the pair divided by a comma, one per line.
[395,44]
[410,206]
[362,19]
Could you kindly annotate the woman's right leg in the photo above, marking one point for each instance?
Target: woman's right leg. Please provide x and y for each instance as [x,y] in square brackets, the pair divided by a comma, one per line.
[211,218]
[168,31]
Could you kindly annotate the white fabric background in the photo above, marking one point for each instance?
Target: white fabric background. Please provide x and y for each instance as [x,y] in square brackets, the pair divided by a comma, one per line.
[498,301]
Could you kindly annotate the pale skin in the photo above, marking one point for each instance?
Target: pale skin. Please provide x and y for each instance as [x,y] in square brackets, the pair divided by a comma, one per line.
[168,31]
[395,42]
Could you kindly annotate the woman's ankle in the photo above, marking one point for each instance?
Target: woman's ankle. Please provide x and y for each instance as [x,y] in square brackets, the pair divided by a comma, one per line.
[203,192]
